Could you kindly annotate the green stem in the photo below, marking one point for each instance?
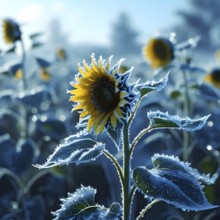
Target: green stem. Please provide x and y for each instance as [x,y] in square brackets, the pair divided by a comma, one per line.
[137,138]
[186,110]
[132,193]
[23,65]
[24,80]
[30,183]
[117,166]
[126,170]
[134,112]
[143,211]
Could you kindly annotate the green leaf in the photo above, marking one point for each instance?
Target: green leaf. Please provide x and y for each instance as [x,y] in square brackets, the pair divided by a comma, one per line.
[153,85]
[173,182]
[81,206]
[175,94]
[164,120]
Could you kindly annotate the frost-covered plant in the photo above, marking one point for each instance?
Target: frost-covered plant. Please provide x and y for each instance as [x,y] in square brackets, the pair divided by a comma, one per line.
[108,103]
[29,124]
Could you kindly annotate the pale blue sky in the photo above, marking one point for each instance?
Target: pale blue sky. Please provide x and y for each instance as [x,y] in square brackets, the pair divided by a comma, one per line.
[91,20]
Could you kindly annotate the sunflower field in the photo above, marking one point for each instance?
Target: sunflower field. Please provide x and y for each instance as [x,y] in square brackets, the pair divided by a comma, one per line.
[126,132]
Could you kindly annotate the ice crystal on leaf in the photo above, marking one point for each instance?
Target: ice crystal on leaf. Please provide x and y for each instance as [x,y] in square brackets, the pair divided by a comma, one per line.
[160,119]
[74,151]
[81,205]
[173,182]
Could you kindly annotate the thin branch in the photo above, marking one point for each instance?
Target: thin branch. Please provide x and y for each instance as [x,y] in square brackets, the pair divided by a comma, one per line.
[144,210]
[117,165]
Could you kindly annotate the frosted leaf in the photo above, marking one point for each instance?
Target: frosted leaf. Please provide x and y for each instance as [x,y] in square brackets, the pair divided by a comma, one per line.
[42,62]
[164,120]
[81,205]
[173,182]
[209,92]
[190,43]
[173,163]
[74,151]
[150,86]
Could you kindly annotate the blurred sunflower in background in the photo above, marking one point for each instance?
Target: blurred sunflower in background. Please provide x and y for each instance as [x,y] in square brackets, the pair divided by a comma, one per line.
[18,74]
[213,77]
[11,31]
[61,54]
[44,74]
[159,52]
[102,94]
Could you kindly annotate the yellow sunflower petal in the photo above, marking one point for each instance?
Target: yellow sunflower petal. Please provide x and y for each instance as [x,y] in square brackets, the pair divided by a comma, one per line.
[94,65]
[113,120]
[81,71]
[87,111]
[118,113]
[103,122]
[123,94]
[92,119]
[98,121]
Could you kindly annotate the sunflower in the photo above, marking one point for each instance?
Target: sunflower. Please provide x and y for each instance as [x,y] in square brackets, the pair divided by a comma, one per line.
[11,31]
[159,52]
[213,77]
[102,94]
[61,54]
[45,75]
[18,74]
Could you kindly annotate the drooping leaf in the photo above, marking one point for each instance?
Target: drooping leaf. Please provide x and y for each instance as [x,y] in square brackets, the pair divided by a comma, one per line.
[42,62]
[81,206]
[164,120]
[11,49]
[51,127]
[173,182]
[150,86]
[35,98]
[74,151]
[7,96]
[37,44]
[16,157]
[209,92]
[35,35]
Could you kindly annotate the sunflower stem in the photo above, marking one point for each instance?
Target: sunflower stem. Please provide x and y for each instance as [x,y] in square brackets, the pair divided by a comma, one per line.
[24,79]
[137,138]
[24,84]
[186,109]
[143,211]
[126,171]
[117,166]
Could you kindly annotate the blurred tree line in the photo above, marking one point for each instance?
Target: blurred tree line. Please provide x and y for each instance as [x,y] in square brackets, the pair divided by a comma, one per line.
[203,19]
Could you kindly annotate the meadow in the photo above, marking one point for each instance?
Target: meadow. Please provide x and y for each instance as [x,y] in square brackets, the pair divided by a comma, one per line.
[130,132]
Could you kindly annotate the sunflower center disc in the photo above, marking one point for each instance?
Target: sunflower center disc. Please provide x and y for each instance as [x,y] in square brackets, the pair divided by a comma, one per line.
[216,75]
[103,95]
[160,50]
